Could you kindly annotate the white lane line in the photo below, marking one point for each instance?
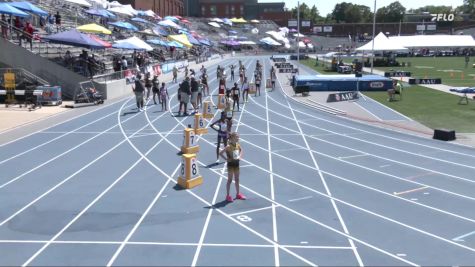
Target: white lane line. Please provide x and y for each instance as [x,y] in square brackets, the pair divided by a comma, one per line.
[215,196]
[164,244]
[322,224]
[56,138]
[272,191]
[371,188]
[461,238]
[75,173]
[300,199]
[370,169]
[385,165]
[354,156]
[209,204]
[431,146]
[365,109]
[374,213]
[378,145]
[288,149]
[322,179]
[410,191]
[257,233]
[54,125]
[250,211]
[37,253]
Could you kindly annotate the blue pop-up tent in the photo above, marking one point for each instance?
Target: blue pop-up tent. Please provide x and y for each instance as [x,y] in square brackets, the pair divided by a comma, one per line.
[141,20]
[124,25]
[158,42]
[74,38]
[101,13]
[160,30]
[29,7]
[5,8]
[192,39]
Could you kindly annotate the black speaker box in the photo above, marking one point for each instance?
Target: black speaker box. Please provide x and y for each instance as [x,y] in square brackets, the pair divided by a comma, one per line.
[444,134]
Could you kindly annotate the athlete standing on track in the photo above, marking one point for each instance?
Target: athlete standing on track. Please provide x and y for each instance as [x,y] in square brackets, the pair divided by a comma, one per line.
[222,127]
[233,155]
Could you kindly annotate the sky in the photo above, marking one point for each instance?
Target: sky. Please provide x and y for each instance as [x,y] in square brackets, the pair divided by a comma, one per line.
[326,6]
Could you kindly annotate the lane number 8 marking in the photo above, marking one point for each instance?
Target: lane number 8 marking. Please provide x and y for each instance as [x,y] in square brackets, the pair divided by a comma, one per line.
[244,218]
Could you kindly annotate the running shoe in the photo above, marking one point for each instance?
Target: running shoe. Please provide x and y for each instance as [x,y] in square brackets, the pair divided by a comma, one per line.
[229,198]
[240,196]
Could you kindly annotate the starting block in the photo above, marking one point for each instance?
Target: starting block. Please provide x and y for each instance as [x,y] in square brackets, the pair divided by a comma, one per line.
[207,113]
[252,88]
[189,172]
[200,124]
[189,139]
[221,101]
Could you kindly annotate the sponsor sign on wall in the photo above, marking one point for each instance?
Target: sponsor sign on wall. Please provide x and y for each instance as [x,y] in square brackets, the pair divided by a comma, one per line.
[317,29]
[425,81]
[376,85]
[305,23]
[421,27]
[431,27]
[343,96]
[327,28]
[292,23]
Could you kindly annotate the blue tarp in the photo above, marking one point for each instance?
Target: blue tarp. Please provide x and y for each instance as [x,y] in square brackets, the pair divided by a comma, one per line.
[140,20]
[124,25]
[29,7]
[161,31]
[171,18]
[175,44]
[192,39]
[100,12]
[468,90]
[74,38]
[158,42]
[205,42]
[10,10]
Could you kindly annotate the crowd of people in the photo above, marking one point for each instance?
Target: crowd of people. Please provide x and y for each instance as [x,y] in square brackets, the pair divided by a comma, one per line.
[193,88]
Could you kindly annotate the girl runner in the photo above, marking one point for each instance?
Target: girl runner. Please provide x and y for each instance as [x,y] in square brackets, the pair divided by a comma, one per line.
[233,153]
[258,85]
[245,91]
[163,96]
[235,92]
[222,127]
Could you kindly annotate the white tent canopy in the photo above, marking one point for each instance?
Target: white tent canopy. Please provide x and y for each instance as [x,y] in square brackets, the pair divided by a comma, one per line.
[169,23]
[150,13]
[270,41]
[133,43]
[131,9]
[121,10]
[381,43]
[247,42]
[214,24]
[80,2]
[434,41]
[217,20]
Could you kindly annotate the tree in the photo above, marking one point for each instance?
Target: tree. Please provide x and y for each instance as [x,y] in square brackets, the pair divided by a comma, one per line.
[351,13]
[394,12]
[307,13]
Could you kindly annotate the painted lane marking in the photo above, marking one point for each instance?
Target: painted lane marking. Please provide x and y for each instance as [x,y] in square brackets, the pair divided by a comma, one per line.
[410,191]
[418,175]
[384,166]
[250,211]
[137,243]
[460,238]
[301,198]
[354,156]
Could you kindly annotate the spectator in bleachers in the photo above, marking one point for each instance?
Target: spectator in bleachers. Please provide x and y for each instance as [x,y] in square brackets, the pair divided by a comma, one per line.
[57,19]
[68,59]
[28,33]
[124,64]
[4,27]
[93,65]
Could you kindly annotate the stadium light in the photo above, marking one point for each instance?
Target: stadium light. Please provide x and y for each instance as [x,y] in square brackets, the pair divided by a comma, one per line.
[374,32]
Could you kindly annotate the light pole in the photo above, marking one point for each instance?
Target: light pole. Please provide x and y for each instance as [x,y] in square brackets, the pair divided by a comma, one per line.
[298,31]
[374,32]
